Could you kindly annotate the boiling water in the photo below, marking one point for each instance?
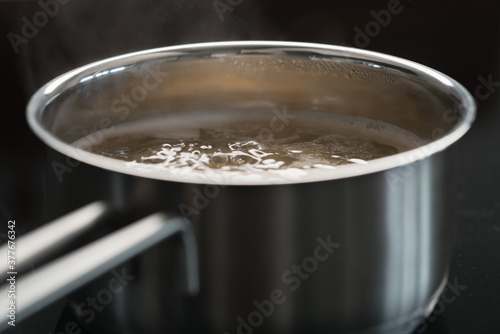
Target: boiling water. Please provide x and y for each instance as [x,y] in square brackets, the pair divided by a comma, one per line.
[251,142]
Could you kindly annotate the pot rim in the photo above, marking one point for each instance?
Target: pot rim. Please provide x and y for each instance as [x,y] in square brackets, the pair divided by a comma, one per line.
[53,88]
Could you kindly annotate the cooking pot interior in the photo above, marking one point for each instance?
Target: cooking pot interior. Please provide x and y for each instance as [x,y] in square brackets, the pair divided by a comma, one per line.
[146,85]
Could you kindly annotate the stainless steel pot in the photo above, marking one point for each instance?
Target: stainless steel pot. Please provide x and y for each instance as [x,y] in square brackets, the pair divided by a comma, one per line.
[362,249]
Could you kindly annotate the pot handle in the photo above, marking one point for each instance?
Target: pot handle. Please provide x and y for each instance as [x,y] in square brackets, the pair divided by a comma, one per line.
[68,273]
[45,241]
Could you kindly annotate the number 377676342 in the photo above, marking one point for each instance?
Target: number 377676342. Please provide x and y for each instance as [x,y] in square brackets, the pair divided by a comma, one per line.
[11,234]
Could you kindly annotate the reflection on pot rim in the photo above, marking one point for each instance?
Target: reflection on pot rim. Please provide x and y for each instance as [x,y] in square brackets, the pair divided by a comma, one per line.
[220,50]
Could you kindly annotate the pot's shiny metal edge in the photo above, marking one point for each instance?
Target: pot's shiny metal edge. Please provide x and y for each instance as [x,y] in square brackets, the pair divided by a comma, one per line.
[50,91]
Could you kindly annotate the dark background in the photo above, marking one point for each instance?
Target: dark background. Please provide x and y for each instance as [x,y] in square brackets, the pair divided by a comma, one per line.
[459,38]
